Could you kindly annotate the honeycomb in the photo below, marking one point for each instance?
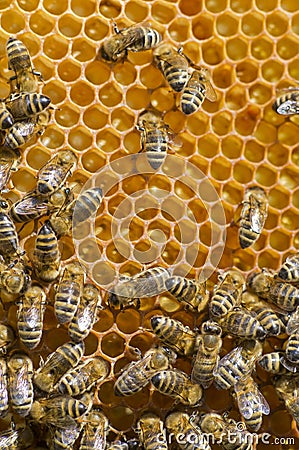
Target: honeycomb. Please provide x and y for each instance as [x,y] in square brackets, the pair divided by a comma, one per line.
[179,216]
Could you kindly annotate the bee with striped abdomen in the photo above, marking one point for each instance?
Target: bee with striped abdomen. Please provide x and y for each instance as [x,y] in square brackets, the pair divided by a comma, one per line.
[188,291]
[276,363]
[26,105]
[30,316]
[251,402]
[61,411]
[64,438]
[7,338]
[57,364]
[86,314]
[237,364]
[292,343]
[135,38]
[174,334]
[173,64]
[207,356]
[33,206]
[53,174]
[137,374]
[227,293]
[178,385]
[151,432]
[68,292]
[9,241]
[253,215]
[151,281]
[197,89]
[289,270]
[95,431]
[287,102]
[26,79]
[155,137]
[20,369]
[264,313]
[46,255]
[187,433]
[3,388]
[6,118]
[266,286]
[84,376]
[241,323]
[19,134]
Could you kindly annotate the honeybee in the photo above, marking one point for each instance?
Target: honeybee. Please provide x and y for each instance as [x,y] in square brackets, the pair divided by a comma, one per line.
[226,431]
[197,89]
[227,294]
[251,402]
[151,432]
[134,38]
[20,370]
[155,138]
[187,434]
[275,362]
[61,411]
[117,445]
[26,78]
[289,271]
[287,102]
[68,292]
[174,334]
[9,241]
[287,389]
[9,161]
[7,338]
[3,388]
[95,431]
[84,376]
[6,118]
[57,364]
[253,215]
[292,344]
[263,312]
[54,173]
[20,133]
[46,256]
[86,314]
[144,284]
[188,291]
[30,316]
[237,364]
[14,278]
[240,322]
[173,64]
[33,206]
[137,374]
[9,439]
[25,105]
[264,284]
[64,438]
[207,355]
[178,385]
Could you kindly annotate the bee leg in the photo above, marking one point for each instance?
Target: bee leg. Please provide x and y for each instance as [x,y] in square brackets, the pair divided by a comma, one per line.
[138,303]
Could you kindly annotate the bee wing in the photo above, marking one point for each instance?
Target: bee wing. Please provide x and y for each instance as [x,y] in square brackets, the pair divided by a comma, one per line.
[229,358]
[84,318]
[21,385]
[281,91]
[210,92]
[9,439]
[4,173]
[174,139]
[30,204]
[54,413]
[293,324]
[256,216]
